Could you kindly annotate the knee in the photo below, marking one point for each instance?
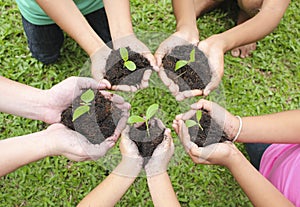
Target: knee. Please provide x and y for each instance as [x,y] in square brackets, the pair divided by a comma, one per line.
[251,7]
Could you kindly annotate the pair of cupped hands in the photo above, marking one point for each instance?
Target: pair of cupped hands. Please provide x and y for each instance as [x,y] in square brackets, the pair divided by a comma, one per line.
[76,147]
[213,52]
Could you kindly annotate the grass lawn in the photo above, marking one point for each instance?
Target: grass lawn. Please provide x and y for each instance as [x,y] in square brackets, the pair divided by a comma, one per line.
[267,82]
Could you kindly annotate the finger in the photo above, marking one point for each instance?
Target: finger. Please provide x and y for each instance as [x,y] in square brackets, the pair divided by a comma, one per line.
[164,78]
[85,82]
[202,104]
[213,84]
[120,126]
[150,58]
[184,136]
[175,126]
[187,94]
[159,56]
[123,106]
[104,84]
[99,150]
[187,115]
[125,88]
[145,79]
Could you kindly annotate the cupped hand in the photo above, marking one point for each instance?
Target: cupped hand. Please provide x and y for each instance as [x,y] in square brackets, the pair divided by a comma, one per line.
[60,96]
[132,162]
[215,54]
[137,46]
[98,63]
[176,39]
[161,156]
[74,146]
[223,118]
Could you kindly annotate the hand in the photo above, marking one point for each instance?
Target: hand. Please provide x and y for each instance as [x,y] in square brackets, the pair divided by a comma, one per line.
[120,103]
[218,153]
[60,96]
[161,156]
[223,118]
[137,46]
[98,61]
[132,162]
[176,39]
[215,54]
[74,146]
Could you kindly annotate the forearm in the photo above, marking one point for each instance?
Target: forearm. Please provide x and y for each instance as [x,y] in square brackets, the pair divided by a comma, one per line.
[280,127]
[162,191]
[255,28]
[69,18]
[258,189]
[185,15]
[110,191]
[119,18]
[21,100]
[19,151]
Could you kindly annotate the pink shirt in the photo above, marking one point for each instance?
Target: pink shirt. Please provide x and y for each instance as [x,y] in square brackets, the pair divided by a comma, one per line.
[280,164]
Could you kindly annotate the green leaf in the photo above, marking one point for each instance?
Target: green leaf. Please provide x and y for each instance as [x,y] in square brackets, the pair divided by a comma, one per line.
[190,123]
[151,111]
[135,119]
[198,115]
[87,96]
[192,56]
[124,53]
[80,111]
[180,64]
[130,65]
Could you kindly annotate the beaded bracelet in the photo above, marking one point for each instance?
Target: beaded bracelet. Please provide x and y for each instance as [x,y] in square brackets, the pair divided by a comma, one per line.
[240,129]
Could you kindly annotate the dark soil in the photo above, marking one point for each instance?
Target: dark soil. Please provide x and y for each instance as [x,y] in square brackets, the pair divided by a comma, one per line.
[195,75]
[96,125]
[146,145]
[118,74]
[212,132]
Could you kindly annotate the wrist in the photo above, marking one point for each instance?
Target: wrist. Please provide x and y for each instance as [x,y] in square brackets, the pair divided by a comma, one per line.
[129,167]
[217,41]
[188,32]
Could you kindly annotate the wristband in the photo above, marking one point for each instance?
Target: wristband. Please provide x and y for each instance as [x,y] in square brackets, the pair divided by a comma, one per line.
[240,129]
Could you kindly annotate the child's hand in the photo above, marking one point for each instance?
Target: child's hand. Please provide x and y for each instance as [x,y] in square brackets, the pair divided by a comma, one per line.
[161,156]
[98,61]
[132,162]
[73,145]
[60,96]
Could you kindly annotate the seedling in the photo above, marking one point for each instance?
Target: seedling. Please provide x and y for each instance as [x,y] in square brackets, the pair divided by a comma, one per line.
[130,65]
[86,98]
[190,123]
[181,63]
[151,111]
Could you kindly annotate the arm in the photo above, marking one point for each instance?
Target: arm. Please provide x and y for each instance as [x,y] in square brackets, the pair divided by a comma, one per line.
[55,140]
[110,191]
[255,28]
[186,26]
[45,105]
[162,191]
[69,18]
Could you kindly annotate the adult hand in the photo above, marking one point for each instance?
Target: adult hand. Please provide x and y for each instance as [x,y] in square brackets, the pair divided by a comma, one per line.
[161,156]
[137,46]
[74,146]
[98,61]
[226,120]
[176,39]
[132,162]
[212,48]
[60,96]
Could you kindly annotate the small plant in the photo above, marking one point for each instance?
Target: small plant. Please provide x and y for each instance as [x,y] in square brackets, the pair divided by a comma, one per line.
[181,63]
[149,114]
[190,123]
[86,98]
[130,65]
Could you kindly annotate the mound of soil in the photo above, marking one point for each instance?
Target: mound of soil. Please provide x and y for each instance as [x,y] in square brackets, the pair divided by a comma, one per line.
[146,144]
[96,125]
[118,74]
[195,75]
[212,132]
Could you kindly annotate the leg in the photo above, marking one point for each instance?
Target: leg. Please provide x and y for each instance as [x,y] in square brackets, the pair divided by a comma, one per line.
[204,6]
[248,9]
[44,41]
[98,21]
[255,152]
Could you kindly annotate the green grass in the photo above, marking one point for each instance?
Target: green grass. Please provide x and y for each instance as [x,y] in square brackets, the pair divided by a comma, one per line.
[267,82]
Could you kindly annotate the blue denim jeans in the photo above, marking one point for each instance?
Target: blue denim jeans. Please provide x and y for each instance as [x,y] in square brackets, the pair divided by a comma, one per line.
[255,152]
[45,41]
